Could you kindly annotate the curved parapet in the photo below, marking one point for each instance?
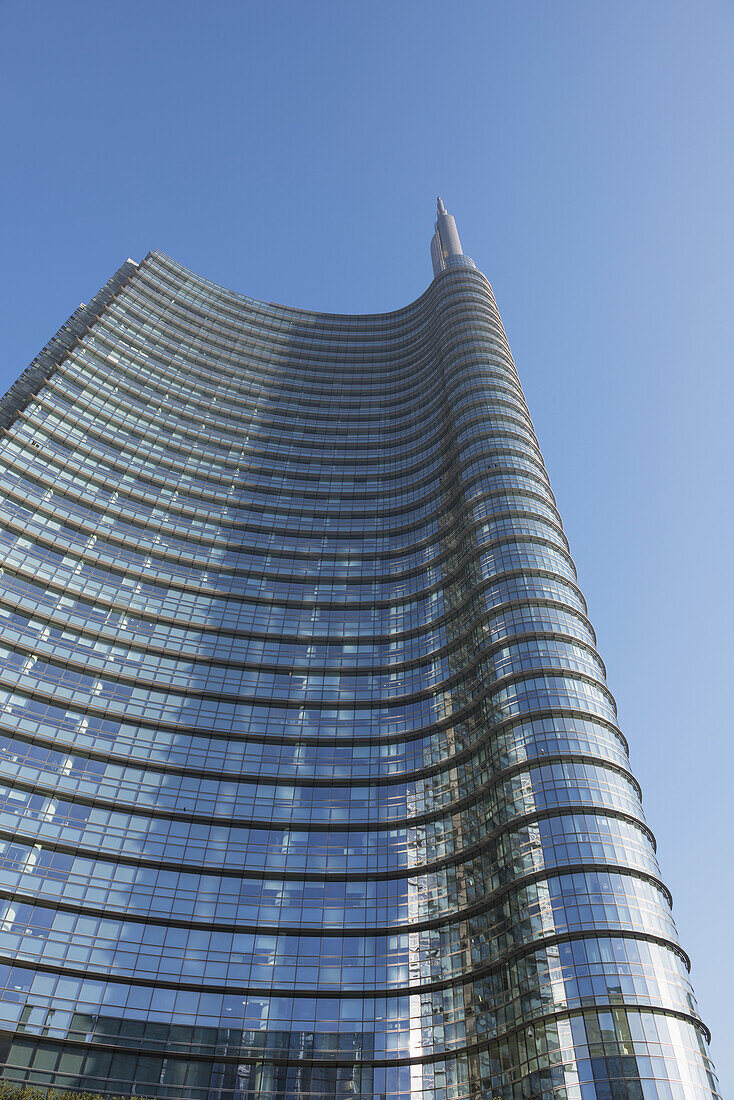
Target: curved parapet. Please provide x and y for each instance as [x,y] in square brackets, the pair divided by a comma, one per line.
[314,785]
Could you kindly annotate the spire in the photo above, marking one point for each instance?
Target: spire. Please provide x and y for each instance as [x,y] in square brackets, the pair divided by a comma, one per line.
[445,245]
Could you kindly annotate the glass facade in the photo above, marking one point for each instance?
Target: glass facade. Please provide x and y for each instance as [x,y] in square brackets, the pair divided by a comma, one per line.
[312,786]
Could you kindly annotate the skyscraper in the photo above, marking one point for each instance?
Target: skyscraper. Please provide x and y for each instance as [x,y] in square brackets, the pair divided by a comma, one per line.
[314,786]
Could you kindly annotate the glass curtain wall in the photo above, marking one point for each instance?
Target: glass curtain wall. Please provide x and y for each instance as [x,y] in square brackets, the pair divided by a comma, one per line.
[312,783]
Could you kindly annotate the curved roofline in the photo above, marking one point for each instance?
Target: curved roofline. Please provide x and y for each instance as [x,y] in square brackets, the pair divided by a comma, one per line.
[446,255]
[246,299]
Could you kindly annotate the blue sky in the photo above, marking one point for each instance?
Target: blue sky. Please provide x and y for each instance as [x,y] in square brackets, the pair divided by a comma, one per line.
[293,151]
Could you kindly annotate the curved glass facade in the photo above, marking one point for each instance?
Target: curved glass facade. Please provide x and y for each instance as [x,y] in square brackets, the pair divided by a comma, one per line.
[313,786]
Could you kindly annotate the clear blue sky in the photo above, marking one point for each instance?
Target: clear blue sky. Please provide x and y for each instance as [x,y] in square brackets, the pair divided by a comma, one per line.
[293,151]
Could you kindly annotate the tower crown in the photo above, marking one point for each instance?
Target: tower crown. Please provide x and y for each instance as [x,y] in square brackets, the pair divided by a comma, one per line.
[446,246]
